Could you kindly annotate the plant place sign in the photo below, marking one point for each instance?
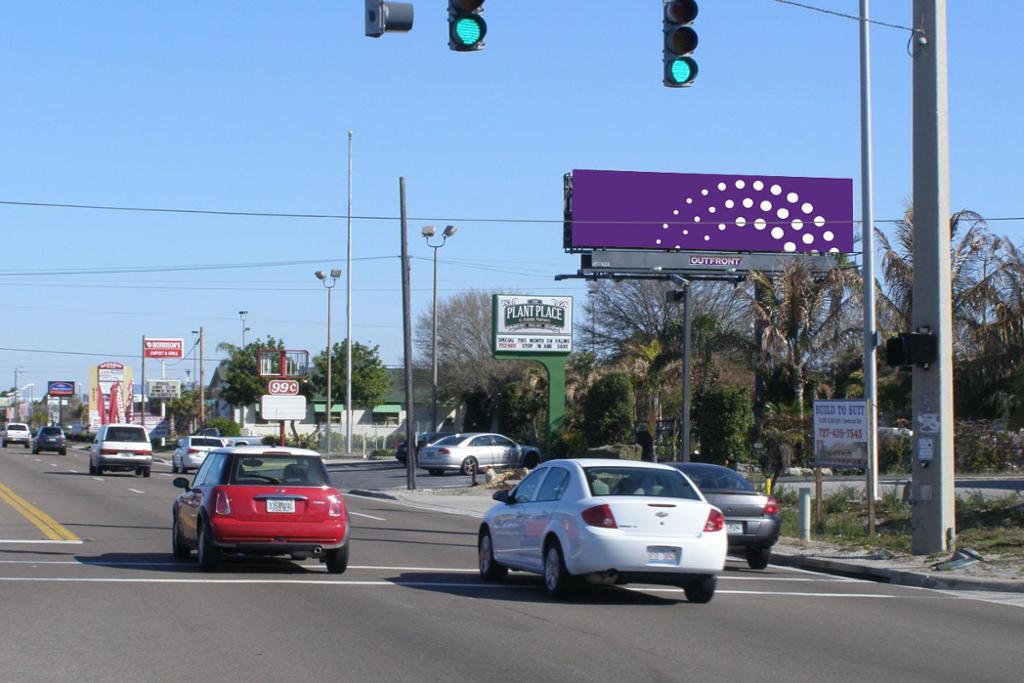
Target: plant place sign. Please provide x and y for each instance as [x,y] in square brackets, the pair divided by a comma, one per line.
[526,324]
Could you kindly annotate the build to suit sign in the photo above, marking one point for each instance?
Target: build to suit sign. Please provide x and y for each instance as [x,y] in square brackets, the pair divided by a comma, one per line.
[840,433]
[532,324]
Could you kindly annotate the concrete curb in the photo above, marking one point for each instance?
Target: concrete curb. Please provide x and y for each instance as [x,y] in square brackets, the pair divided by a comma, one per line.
[900,577]
[372,493]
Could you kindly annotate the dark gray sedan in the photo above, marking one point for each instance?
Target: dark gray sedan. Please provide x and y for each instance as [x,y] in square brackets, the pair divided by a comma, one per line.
[751,517]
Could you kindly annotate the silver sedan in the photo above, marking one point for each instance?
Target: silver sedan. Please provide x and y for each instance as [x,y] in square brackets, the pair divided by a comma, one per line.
[470,452]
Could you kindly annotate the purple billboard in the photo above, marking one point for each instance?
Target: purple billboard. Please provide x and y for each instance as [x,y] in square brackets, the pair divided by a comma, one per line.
[709,212]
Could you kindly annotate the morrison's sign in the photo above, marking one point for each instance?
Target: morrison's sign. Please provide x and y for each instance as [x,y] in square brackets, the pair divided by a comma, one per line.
[532,324]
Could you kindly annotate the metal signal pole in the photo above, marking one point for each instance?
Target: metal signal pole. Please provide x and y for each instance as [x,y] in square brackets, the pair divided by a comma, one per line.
[933,526]
[348,313]
[410,432]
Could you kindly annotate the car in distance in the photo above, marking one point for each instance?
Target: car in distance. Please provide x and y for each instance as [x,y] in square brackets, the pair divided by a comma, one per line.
[605,522]
[121,447]
[17,432]
[468,452]
[751,517]
[421,441]
[50,439]
[260,500]
[191,452]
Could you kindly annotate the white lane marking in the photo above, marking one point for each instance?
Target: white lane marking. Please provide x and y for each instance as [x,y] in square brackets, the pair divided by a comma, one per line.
[71,470]
[53,464]
[360,514]
[776,593]
[98,478]
[461,513]
[38,460]
[21,540]
[816,573]
[165,474]
[136,491]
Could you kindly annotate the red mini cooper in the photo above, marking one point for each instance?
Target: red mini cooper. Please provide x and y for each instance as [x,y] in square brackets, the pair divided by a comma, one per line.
[259,500]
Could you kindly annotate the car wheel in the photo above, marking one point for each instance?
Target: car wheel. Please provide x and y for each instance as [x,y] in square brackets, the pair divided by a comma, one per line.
[434,472]
[701,590]
[35,452]
[137,472]
[174,466]
[63,451]
[489,569]
[531,460]
[5,443]
[178,547]
[469,466]
[26,445]
[336,560]
[207,553]
[758,558]
[557,579]
[146,473]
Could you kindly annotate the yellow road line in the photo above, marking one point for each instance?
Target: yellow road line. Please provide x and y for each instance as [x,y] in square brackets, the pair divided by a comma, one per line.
[51,528]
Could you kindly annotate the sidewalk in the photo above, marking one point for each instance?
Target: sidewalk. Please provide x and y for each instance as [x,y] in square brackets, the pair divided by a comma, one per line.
[904,570]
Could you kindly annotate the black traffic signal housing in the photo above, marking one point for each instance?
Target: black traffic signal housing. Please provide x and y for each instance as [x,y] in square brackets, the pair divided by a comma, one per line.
[466,25]
[912,348]
[675,296]
[383,17]
[680,42]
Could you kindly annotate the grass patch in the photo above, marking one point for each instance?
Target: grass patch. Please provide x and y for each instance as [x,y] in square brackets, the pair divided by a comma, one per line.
[994,526]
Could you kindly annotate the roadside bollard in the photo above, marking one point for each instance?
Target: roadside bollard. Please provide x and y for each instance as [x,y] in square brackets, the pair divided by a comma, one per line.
[472,474]
[805,514]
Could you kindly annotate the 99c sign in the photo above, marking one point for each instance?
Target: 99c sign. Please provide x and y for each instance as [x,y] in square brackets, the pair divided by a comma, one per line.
[283,387]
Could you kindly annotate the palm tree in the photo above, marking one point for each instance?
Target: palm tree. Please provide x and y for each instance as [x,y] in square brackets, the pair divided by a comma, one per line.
[803,316]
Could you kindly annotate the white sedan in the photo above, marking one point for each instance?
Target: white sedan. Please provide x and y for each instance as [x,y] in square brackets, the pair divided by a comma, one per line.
[192,451]
[607,522]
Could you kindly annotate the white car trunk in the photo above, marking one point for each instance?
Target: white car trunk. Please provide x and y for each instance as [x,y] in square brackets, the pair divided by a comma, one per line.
[659,516]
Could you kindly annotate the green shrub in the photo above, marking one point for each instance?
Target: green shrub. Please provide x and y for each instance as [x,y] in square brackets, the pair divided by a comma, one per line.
[227,427]
[608,410]
[723,417]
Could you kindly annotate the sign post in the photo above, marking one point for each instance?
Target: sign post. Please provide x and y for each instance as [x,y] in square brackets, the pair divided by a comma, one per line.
[282,402]
[538,328]
[162,349]
[60,390]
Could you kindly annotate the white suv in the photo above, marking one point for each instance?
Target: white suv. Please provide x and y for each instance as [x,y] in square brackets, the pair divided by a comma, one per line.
[124,447]
[18,432]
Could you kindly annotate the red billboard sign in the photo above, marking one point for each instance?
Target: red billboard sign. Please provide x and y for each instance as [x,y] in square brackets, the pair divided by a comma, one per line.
[163,348]
[283,387]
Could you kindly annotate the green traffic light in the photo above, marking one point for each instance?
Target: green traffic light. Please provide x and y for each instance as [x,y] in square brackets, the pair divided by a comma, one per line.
[682,71]
[469,30]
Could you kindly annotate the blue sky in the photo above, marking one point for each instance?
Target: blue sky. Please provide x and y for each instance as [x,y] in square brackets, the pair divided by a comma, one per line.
[246,105]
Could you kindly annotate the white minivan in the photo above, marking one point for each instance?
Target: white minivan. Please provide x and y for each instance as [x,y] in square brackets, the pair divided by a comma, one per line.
[121,447]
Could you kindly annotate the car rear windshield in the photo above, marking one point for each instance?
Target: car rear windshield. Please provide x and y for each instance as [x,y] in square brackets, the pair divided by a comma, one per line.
[638,481]
[17,428]
[718,479]
[50,431]
[196,441]
[453,440]
[260,470]
[131,434]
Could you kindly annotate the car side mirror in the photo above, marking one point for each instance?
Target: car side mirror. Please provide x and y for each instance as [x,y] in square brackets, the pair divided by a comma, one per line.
[503,497]
[181,483]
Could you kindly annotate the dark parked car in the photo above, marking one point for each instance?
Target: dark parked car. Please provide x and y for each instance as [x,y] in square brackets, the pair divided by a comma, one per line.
[751,517]
[421,440]
[50,439]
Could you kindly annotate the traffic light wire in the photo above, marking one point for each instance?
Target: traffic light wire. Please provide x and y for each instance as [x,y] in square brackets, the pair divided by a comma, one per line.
[834,13]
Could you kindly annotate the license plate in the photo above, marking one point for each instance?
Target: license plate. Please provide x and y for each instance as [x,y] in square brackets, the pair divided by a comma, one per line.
[275,505]
[663,554]
[734,528]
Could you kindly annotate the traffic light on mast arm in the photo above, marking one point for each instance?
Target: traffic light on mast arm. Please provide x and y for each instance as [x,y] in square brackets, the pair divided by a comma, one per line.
[680,41]
[383,17]
[466,25]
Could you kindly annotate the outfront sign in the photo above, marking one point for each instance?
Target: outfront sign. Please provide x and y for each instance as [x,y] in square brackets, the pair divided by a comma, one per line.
[840,433]
[530,324]
[282,407]
[60,388]
[164,388]
[163,348]
[711,212]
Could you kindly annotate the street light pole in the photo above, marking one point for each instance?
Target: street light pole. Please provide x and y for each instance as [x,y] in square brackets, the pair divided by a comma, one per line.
[428,232]
[323,277]
[348,312]
[242,314]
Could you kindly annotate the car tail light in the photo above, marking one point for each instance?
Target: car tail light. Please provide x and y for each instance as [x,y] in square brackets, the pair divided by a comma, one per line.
[222,506]
[600,515]
[444,451]
[109,451]
[335,508]
[771,508]
[193,450]
[716,520]
[143,452]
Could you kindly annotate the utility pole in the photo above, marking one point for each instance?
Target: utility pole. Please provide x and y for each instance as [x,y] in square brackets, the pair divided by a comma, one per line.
[348,313]
[142,419]
[684,436]
[202,382]
[410,432]
[868,268]
[17,407]
[933,526]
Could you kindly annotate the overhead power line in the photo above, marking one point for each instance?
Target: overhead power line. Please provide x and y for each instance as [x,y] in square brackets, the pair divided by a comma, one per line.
[842,15]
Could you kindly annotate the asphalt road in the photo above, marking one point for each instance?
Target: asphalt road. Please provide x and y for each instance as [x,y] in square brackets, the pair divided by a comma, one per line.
[389,474]
[117,607]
